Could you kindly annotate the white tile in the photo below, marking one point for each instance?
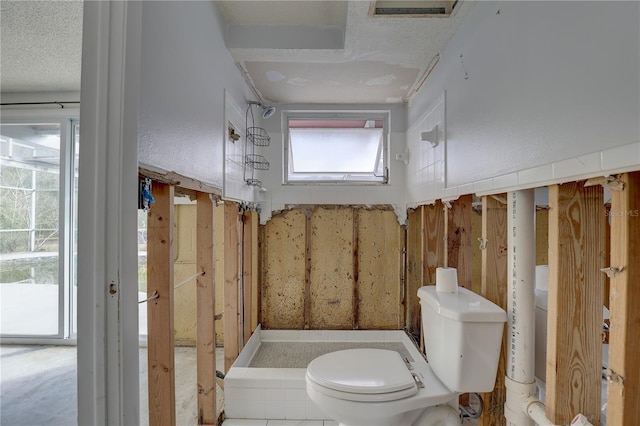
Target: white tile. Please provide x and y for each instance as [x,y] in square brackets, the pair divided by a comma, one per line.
[577,166]
[294,423]
[465,189]
[621,156]
[450,193]
[313,412]
[330,423]
[295,395]
[536,174]
[244,422]
[275,410]
[295,410]
[254,410]
[294,378]
[505,181]
[274,394]
[234,408]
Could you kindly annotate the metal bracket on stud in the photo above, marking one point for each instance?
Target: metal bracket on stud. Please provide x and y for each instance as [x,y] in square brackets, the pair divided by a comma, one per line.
[612,271]
[483,243]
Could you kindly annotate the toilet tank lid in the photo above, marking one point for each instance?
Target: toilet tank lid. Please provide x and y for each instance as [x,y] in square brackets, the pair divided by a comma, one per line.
[463,306]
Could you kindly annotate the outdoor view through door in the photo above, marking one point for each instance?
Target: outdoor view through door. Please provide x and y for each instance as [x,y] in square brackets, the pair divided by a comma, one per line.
[38,187]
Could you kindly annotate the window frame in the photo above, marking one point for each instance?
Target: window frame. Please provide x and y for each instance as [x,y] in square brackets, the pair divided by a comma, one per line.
[341,178]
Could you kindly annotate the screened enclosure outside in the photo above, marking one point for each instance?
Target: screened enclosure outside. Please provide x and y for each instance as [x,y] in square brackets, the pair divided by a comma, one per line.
[38,184]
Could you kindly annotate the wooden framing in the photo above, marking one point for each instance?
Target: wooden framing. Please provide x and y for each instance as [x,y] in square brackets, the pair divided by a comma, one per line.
[494,283]
[624,339]
[232,333]
[255,294]
[416,268]
[435,245]
[247,273]
[574,355]
[458,232]
[205,310]
[160,353]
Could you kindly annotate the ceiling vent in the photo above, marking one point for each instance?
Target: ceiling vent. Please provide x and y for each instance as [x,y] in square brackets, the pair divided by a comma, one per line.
[412,8]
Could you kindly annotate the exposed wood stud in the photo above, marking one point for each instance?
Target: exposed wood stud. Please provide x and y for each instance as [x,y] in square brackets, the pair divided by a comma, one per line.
[494,283]
[255,292]
[247,272]
[307,271]
[624,336]
[415,266]
[160,352]
[231,311]
[205,310]
[574,355]
[355,269]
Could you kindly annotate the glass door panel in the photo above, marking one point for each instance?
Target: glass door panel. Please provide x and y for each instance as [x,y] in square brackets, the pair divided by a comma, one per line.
[29,229]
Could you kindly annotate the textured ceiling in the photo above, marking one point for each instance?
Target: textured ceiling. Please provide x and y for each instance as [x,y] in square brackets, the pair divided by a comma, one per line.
[40,45]
[304,54]
[292,51]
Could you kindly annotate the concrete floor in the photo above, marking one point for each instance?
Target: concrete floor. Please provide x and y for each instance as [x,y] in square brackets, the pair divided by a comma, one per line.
[38,385]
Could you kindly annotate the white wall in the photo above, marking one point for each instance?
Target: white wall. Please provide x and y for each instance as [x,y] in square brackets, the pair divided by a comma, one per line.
[185,71]
[278,195]
[535,93]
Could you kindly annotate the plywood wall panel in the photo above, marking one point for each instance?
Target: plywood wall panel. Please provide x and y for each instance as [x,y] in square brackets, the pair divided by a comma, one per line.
[380,251]
[331,278]
[435,242]
[284,271]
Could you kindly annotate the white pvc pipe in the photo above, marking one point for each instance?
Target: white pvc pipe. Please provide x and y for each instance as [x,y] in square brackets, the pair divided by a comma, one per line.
[521,241]
[520,304]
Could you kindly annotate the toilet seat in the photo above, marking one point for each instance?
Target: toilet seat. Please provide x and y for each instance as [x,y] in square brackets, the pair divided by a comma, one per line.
[374,375]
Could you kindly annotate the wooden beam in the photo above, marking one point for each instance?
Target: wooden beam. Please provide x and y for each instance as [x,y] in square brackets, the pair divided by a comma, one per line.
[415,276]
[356,268]
[574,350]
[624,338]
[307,269]
[231,278]
[494,288]
[205,310]
[160,351]
[247,273]
[255,292]
[458,231]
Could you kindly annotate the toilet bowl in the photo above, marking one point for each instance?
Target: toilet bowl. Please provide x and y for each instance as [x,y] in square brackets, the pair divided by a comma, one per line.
[374,387]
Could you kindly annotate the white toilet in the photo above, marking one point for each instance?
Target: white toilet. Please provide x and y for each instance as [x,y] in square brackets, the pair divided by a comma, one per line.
[374,387]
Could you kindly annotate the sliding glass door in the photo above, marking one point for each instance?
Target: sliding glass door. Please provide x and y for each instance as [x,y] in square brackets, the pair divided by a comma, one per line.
[37,198]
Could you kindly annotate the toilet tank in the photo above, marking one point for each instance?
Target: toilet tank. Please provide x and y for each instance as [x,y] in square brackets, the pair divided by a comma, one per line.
[463,336]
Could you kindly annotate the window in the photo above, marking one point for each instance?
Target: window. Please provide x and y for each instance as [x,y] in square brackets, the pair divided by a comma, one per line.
[343,149]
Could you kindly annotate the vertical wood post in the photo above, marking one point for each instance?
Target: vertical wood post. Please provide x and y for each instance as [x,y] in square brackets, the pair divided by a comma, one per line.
[247,273]
[231,293]
[458,231]
[160,351]
[623,407]
[307,269]
[574,355]
[255,293]
[415,275]
[356,268]
[205,310]
[494,288]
